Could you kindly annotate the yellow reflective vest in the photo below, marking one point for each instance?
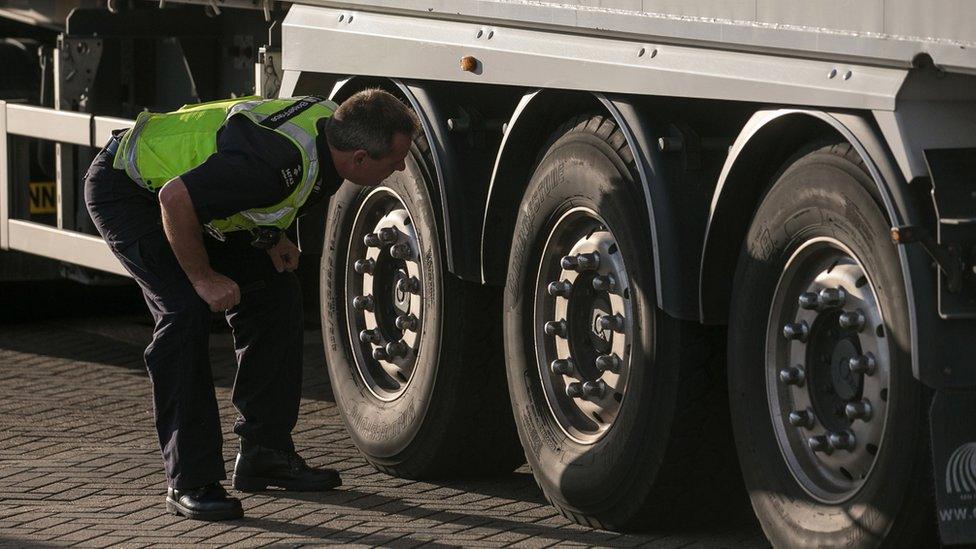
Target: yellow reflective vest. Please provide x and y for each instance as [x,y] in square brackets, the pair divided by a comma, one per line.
[163,146]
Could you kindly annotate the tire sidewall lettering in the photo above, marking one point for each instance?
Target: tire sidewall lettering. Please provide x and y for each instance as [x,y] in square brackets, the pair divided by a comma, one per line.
[553,179]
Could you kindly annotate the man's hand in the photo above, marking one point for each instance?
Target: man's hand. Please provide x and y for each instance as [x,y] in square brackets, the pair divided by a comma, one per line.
[284,255]
[220,292]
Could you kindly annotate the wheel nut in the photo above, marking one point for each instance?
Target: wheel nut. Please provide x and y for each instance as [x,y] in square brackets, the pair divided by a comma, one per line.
[389,235]
[363,266]
[859,410]
[607,363]
[562,367]
[569,263]
[560,289]
[556,328]
[581,262]
[862,364]
[802,418]
[379,353]
[605,283]
[574,390]
[401,251]
[819,444]
[594,389]
[372,240]
[406,322]
[613,322]
[369,336]
[832,297]
[396,348]
[796,331]
[843,440]
[852,320]
[793,375]
[408,285]
[809,300]
[588,262]
[363,302]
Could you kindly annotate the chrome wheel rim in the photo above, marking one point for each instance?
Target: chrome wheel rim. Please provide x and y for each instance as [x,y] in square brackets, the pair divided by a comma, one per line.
[583,325]
[385,293]
[827,370]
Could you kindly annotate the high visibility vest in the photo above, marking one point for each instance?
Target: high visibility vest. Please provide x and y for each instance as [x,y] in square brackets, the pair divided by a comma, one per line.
[160,147]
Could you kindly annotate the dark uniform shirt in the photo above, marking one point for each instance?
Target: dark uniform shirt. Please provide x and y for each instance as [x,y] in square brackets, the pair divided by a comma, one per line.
[254,167]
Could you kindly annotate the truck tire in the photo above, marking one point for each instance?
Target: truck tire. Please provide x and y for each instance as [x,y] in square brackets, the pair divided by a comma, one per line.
[830,424]
[620,411]
[414,354]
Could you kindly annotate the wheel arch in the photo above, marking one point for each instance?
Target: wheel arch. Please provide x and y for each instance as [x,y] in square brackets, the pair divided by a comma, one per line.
[537,115]
[415,95]
[766,142]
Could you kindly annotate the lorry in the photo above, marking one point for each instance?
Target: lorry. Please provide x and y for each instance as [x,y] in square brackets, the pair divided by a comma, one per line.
[656,249]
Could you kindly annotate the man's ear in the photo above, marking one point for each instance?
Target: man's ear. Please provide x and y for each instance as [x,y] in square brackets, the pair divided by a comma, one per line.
[359,157]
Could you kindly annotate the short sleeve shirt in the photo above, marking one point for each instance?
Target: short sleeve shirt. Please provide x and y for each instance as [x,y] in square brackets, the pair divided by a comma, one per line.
[253,167]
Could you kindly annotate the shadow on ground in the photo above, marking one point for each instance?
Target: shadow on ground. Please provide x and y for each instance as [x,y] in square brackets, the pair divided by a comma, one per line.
[26,306]
[116,317]
[22,302]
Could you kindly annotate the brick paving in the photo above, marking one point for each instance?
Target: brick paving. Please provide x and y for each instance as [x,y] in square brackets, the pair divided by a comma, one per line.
[79,464]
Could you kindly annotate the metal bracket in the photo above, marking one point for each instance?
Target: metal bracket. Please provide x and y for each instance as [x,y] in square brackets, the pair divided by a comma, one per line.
[948,258]
[78,60]
[954,198]
[267,73]
[682,138]
[475,127]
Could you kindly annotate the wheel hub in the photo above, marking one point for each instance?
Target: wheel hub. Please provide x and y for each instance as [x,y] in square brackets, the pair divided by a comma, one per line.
[401,296]
[846,385]
[384,290]
[601,338]
[583,318]
[827,370]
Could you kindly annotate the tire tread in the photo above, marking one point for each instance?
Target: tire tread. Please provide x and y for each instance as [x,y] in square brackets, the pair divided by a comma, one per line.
[480,439]
[698,472]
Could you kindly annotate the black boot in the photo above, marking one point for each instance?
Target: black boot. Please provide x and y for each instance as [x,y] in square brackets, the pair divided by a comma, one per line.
[258,468]
[209,502]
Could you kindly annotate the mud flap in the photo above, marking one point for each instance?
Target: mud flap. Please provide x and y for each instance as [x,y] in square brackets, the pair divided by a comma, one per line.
[953,427]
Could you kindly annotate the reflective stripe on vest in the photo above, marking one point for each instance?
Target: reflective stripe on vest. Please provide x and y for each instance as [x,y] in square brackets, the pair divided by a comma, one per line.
[307,111]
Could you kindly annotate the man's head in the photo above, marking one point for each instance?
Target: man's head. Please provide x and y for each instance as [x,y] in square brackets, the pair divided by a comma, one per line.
[369,136]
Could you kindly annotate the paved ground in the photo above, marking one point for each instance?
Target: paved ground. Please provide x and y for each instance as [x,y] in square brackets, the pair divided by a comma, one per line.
[79,462]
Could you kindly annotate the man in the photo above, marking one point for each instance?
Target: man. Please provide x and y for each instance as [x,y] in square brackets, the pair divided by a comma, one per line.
[242,169]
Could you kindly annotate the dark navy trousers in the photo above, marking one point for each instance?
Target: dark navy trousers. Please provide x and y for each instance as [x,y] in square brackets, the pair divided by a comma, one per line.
[267,328]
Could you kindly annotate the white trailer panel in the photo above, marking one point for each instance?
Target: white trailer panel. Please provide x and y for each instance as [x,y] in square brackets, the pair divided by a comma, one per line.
[886,32]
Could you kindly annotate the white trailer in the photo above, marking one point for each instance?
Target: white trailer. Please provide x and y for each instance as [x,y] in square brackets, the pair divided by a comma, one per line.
[658,249]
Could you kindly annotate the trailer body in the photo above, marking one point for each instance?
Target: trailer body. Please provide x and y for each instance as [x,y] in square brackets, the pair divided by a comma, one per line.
[713,100]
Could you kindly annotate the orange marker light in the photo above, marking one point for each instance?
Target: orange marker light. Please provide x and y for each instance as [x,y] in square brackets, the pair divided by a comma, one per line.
[468,63]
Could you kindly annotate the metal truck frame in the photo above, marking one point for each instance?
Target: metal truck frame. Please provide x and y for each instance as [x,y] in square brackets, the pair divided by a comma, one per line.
[602,191]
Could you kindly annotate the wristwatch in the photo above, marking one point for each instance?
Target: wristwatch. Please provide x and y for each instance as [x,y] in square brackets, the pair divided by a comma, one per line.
[265,238]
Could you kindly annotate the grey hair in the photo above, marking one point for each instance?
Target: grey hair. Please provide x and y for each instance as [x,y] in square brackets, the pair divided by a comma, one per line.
[368,120]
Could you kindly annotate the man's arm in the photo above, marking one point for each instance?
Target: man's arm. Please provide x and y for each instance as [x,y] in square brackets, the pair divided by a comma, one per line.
[185,236]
